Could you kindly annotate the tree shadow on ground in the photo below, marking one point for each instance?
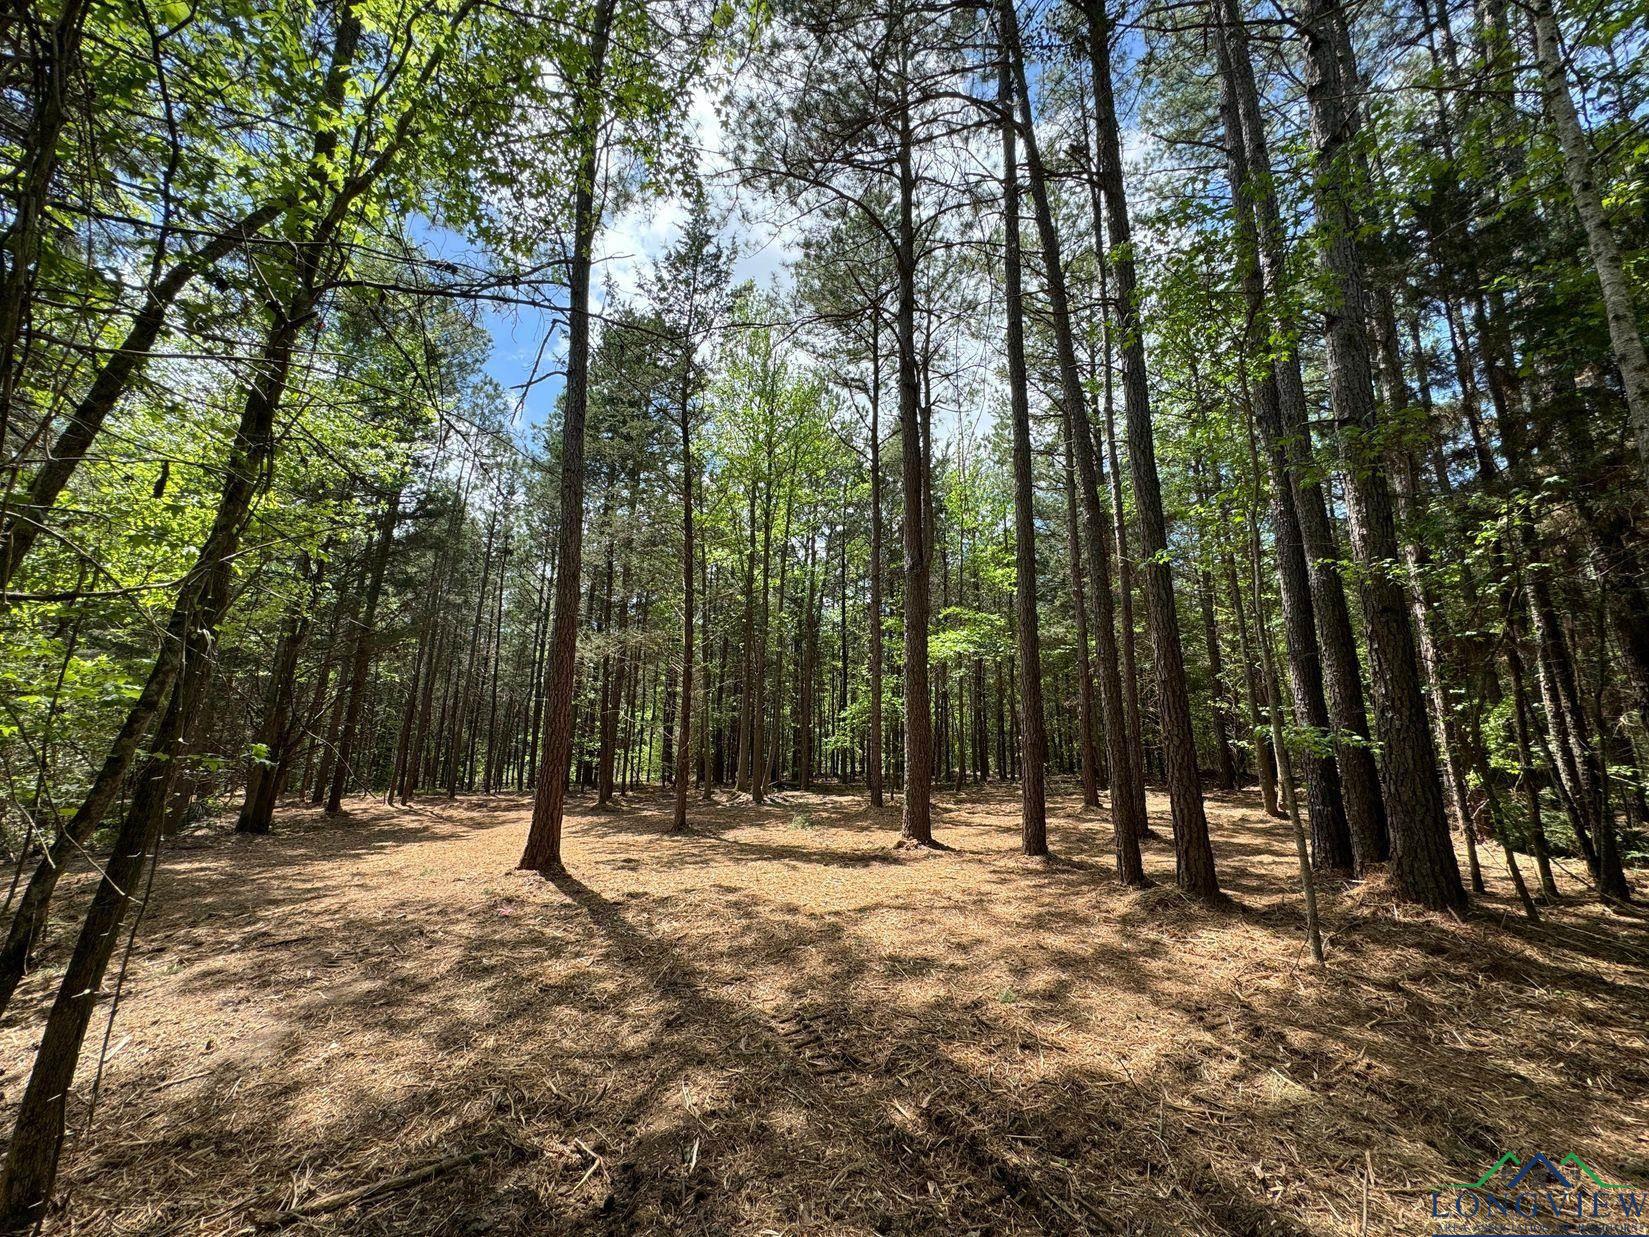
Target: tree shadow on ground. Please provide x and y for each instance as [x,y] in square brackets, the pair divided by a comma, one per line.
[754,1028]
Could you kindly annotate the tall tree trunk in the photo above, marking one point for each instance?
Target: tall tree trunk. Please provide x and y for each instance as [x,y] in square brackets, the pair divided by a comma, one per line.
[421,656]
[747,648]
[1127,791]
[492,768]
[1194,856]
[1111,466]
[707,718]
[1216,675]
[335,713]
[343,767]
[1032,794]
[1526,778]
[543,849]
[612,672]
[1257,690]
[684,739]
[809,667]
[1423,862]
[873,743]
[1347,817]
[1089,752]
[917,825]
[263,779]
[1285,771]
[1607,263]
[759,721]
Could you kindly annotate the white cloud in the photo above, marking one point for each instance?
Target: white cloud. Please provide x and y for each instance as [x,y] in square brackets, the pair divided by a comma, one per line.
[765,245]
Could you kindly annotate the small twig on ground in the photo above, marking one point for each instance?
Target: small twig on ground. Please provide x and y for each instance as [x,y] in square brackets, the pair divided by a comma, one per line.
[348,1198]
[178,1082]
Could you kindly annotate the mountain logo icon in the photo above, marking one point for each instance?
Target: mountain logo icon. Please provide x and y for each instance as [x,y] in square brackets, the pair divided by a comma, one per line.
[1539,1160]
[1568,1172]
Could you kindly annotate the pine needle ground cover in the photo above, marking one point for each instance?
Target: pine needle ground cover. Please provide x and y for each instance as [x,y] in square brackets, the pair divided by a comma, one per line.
[780,1024]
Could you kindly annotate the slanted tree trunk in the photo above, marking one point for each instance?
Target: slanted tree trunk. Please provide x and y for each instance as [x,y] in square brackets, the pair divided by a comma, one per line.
[31,1158]
[30,1171]
[24,521]
[52,64]
[1625,340]
[180,671]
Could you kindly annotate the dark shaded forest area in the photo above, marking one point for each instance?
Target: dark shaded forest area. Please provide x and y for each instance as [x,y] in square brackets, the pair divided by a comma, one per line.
[823,617]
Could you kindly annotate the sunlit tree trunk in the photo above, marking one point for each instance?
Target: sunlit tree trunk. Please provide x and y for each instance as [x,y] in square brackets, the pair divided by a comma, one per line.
[543,849]
[1579,174]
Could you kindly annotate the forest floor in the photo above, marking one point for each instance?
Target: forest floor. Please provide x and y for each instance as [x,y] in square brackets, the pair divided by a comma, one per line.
[781,1024]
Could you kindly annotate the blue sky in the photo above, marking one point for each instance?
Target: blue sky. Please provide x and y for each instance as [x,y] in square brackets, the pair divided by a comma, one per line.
[527,340]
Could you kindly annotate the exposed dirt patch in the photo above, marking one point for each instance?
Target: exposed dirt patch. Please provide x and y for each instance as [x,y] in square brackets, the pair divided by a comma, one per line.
[779,1023]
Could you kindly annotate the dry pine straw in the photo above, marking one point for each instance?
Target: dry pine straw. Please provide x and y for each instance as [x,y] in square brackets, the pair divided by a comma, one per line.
[780,1024]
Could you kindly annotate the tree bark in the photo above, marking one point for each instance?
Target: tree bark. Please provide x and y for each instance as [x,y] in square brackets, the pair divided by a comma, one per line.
[31,1158]
[684,739]
[1089,749]
[873,744]
[1194,856]
[1424,868]
[917,825]
[1127,791]
[1353,805]
[543,849]
[24,523]
[1033,741]
[1607,263]
[275,733]
[343,767]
